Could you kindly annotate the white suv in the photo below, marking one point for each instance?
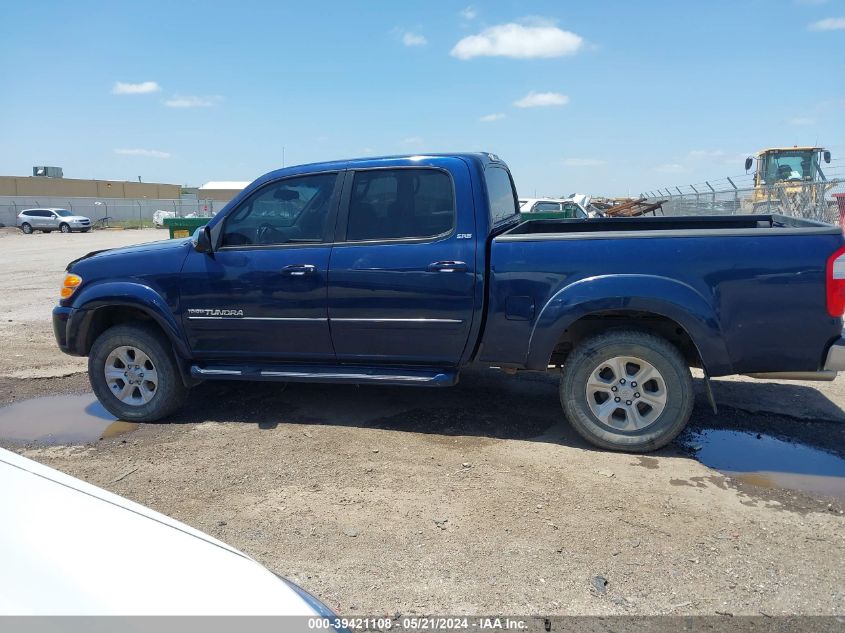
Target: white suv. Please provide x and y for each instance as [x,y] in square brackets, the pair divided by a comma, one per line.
[51,219]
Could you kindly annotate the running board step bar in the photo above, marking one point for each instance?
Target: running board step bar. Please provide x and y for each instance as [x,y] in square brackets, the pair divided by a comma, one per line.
[423,377]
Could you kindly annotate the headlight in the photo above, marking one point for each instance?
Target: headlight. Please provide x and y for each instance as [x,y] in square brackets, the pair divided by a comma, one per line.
[70,285]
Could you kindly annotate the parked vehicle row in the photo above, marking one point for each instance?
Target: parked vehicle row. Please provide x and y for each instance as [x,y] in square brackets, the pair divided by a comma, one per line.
[555,208]
[51,219]
[404,270]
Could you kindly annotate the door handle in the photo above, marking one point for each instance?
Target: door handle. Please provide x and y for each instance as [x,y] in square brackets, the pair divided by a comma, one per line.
[447,267]
[299,270]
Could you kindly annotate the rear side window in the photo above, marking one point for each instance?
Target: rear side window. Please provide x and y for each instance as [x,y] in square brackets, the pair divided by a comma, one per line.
[546,207]
[501,194]
[400,203]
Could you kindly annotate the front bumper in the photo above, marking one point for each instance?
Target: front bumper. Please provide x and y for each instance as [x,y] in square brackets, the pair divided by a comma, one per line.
[63,329]
[836,356]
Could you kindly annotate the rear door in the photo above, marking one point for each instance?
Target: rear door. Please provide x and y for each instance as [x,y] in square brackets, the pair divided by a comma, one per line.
[402,274]
[38,219]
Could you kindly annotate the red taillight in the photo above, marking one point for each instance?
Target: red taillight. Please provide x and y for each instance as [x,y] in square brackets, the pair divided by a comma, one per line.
[836,283]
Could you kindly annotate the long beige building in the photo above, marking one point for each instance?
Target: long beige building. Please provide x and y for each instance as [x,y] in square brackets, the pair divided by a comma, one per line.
[32,186]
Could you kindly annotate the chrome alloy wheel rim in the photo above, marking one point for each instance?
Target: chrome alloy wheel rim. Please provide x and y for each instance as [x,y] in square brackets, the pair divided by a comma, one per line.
[626,393]
[131,376]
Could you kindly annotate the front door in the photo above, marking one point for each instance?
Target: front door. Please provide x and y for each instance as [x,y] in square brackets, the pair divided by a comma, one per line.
[262,294]
[402,276]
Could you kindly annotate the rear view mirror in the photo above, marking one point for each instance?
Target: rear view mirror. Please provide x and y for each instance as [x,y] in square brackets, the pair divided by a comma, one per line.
[826,156]
[748,163]
[202,239]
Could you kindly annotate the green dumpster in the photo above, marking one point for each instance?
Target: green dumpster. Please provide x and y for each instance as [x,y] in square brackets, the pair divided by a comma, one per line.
[183,227]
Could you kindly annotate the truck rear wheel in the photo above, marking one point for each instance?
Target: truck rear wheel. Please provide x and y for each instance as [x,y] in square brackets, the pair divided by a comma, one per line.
[134,375]
[627,390]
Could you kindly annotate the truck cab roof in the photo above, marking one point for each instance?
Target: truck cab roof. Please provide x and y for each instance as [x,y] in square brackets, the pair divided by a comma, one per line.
[481,159]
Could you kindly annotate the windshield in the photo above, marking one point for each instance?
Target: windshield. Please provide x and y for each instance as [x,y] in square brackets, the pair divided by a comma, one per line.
[62,212]
[789,165]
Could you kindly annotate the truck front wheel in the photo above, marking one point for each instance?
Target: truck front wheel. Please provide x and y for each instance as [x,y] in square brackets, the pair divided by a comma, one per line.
[134,375]
[627,391]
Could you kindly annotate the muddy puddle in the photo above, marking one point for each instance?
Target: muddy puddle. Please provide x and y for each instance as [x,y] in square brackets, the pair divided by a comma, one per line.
[59,420]
[767,462]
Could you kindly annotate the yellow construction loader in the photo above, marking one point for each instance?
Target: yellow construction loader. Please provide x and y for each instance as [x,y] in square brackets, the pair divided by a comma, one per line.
[790,181]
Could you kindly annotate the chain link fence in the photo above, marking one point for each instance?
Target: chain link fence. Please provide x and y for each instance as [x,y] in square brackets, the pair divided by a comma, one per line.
[818,200]
[110,211]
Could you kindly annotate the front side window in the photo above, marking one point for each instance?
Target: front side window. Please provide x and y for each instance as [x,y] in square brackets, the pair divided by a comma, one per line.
[400,203]
[500,193]
[290,211]
[63,212]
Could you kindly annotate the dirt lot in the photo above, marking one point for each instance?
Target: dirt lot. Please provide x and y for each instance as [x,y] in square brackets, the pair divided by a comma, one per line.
[33,267]
[474,499]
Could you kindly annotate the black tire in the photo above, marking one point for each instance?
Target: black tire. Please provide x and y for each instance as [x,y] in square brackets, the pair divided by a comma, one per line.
[64,227]
[26,227]
[170,392]
[589,356]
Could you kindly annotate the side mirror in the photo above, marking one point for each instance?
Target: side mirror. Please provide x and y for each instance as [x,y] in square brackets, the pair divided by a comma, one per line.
[826,156]
[748,163]
[202,240]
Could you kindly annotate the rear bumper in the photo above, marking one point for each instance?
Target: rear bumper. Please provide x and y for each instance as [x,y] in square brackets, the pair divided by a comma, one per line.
[836,356]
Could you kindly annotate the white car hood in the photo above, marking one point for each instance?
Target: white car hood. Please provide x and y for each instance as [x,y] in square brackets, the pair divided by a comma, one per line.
[70,548]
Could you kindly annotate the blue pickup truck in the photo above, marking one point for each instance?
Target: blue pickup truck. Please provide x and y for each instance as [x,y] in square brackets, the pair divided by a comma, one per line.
[404,270]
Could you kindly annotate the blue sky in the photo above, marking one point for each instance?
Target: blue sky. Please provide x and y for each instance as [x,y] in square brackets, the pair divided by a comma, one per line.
[598,97]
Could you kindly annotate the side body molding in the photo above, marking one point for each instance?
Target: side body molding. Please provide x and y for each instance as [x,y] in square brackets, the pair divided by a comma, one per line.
[642,293]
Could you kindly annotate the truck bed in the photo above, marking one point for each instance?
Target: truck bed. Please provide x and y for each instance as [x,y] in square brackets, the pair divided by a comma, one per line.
[753,284]
[683,226]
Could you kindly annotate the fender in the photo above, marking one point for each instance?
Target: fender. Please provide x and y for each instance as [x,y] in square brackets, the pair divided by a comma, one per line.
[128,294]
[662,296]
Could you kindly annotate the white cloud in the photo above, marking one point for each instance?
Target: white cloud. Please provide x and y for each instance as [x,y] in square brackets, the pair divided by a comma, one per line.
[413,39]
[671,168]
[541,99]
[192,102]
[584,162]
[519,41]
[145,87]
[469,13]
[146,153]
[488,118]
[828,24]
[802,120]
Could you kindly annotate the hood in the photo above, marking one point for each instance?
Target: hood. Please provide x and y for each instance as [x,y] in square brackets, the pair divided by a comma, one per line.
[580,198]
[160,248]
[70,548]
[75,218]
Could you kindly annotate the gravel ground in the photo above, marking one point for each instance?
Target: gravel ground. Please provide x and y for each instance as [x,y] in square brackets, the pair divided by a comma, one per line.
[473,499]
[33,267]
